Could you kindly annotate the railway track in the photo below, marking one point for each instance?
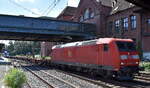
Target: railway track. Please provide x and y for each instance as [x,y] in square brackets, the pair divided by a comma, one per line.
[38,76]
[145,74]
[29,86]
[110,83]
[63,81]
[86,79]
[18,65]
[143,77]
[51,85]
[100,82]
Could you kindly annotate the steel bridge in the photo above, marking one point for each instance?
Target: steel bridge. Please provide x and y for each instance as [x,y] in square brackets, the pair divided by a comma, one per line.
[41,29]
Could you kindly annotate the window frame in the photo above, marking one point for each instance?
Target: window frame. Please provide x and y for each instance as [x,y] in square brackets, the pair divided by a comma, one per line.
[117,25]
[105,47]
[148,21]
[110,27]
[125,23]
[133,19]
[86,14]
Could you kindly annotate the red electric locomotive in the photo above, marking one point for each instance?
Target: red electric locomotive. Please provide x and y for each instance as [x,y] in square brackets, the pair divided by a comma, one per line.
[109,57]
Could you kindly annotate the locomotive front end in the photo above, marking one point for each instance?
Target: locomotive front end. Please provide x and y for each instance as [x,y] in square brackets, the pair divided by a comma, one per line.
[129,59]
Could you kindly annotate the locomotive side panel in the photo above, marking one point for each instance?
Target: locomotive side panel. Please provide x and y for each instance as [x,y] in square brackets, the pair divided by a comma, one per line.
[108,56]
[87,54]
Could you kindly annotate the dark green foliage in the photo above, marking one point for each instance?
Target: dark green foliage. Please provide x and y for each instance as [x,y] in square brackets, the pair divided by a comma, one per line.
[23,48]
[1,46]
[15,78]
[145,65]
[139,48]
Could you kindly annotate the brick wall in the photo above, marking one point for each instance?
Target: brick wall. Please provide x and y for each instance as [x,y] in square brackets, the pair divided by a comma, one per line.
[100,13]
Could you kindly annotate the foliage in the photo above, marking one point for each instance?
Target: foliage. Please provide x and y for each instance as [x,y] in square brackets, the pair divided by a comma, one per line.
[139,48]
[145,65]
[15,78]
[1,46]
[23,48]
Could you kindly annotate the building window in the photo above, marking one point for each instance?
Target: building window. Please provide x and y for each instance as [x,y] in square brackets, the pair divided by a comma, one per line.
[133,22]
[117,25]
[92,15]
[86,14]
[125,24]
[134,39]
[110,28]
[98,0]
[148,21]
[81,18]
[114,3]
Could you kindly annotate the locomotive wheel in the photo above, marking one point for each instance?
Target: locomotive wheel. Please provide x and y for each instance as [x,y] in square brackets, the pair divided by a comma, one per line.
[107,74]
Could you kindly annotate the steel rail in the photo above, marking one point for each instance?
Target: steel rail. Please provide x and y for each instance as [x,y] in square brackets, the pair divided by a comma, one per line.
[142,78]
[50,86]
[74,86]
[106,84]
[29,85]
[86,79]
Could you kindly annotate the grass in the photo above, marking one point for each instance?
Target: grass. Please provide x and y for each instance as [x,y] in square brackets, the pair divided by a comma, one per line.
[145,65]
[15,78]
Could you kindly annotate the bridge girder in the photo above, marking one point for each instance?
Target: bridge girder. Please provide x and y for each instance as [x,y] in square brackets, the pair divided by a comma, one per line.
[39,29]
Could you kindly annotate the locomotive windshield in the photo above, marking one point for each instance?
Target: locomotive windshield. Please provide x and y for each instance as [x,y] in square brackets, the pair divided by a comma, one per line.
[126,46]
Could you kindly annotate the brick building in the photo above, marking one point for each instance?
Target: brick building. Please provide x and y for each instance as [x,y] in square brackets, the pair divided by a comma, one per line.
[116,18]
[67,14]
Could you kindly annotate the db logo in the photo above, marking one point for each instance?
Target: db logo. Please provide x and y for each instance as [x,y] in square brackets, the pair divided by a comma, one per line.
[69,54]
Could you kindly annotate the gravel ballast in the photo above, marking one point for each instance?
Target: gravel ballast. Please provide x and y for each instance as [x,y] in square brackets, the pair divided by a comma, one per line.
[75,81]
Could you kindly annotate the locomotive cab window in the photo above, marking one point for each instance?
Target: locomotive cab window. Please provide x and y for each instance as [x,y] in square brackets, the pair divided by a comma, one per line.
[126,46]
[106,47]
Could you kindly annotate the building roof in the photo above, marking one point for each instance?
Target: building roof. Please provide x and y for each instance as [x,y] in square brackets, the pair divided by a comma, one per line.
[116,5]
[68,11]
[120,5]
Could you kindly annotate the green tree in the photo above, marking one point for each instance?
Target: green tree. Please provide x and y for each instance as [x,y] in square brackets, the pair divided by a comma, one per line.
[139,48]
[23,48]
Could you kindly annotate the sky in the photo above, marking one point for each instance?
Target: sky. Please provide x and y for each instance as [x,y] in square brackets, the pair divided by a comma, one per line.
[35,8]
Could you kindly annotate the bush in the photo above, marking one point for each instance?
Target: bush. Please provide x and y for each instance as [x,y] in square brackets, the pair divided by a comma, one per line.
[145,65]
[14,78]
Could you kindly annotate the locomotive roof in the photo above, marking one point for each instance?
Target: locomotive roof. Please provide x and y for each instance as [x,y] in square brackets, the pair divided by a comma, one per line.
[91,42]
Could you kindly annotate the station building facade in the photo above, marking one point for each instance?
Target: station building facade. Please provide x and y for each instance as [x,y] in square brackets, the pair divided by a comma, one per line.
[116,18]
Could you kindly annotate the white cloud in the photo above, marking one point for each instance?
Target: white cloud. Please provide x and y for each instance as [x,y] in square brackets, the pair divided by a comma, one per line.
[31,1]
[73,3]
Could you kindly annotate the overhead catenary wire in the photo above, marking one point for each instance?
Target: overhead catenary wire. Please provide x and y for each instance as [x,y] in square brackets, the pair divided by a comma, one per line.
[48,7]
[13,2]
[55,4]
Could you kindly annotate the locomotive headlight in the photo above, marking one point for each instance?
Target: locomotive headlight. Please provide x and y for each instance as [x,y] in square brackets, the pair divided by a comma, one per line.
[122,63]
[135,56]
[136,62]
[123,57]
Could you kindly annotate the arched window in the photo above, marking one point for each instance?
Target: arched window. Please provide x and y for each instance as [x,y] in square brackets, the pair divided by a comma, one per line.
[114,3]
[81,18]
[86,14]
[92,14]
